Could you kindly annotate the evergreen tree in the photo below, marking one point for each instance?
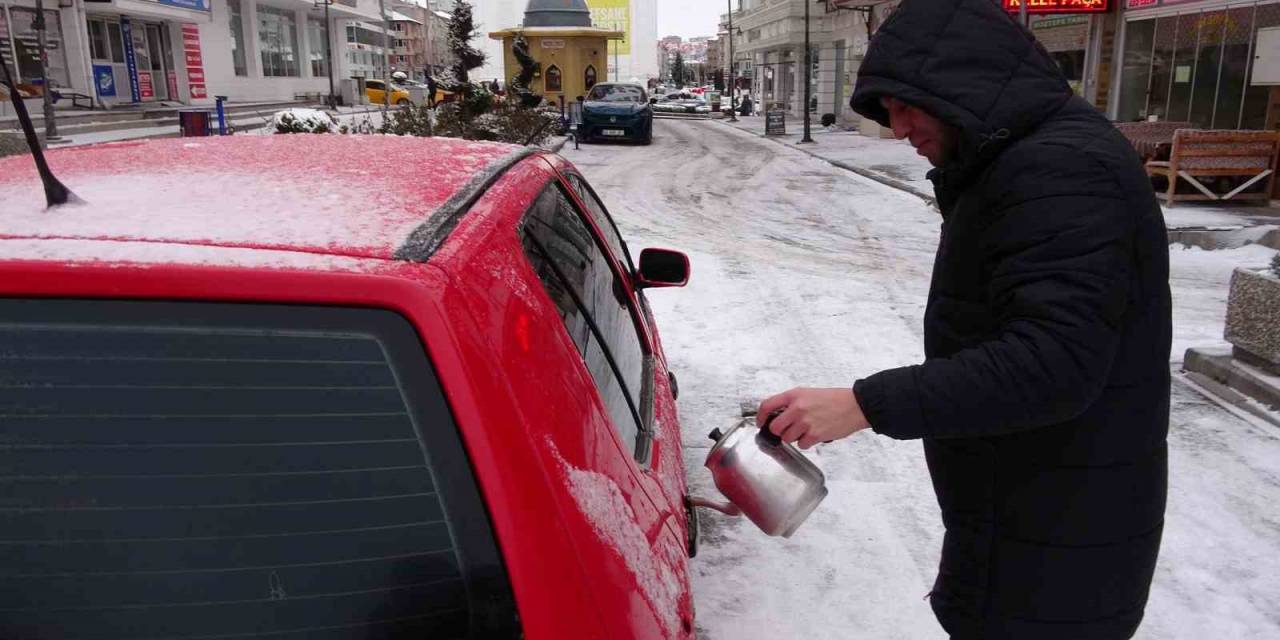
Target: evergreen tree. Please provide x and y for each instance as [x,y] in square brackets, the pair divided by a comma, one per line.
[462,28]
[677,70]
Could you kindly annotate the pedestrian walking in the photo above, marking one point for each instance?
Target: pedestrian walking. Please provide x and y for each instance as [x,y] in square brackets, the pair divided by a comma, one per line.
[1043,402]
[431,91]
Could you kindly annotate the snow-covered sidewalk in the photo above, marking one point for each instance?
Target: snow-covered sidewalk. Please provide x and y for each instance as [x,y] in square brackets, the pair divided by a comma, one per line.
[896,164]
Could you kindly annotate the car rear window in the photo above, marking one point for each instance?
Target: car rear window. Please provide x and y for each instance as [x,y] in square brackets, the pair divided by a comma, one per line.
[234,471]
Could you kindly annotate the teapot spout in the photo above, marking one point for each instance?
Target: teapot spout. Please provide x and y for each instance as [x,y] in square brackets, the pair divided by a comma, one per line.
[727,508]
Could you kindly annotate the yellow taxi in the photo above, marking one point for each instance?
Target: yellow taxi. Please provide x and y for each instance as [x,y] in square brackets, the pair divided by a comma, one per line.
[375,91]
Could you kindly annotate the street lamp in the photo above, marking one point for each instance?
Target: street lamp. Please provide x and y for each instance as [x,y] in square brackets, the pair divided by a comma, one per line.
[733,77]
[808,74]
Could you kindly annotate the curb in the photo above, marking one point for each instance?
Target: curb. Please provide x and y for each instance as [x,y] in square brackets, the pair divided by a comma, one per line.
[866,173]
[1218,371]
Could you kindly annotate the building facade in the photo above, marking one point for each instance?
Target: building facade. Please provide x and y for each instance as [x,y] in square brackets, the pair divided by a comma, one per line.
[186,51]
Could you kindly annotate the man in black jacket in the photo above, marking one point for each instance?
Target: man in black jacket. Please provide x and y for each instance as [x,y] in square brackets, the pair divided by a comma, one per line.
[1044,399]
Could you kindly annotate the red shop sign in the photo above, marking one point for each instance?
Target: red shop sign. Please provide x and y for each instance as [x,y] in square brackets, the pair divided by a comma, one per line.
[1041,7]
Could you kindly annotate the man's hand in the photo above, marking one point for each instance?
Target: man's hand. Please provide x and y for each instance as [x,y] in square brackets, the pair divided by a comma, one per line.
[810,416]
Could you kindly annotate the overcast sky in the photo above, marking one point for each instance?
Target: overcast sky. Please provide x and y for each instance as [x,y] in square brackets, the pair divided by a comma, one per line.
[688,18]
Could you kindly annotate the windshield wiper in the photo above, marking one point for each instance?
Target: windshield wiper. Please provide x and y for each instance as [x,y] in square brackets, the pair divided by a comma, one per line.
[55,193]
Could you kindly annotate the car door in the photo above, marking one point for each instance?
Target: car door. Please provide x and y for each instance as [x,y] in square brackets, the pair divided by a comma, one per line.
[375,91]
[663,472]
[601,318]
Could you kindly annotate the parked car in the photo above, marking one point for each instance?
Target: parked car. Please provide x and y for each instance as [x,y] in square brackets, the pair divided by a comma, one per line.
[617,111]
[274,392]
[375,91]
[681,102]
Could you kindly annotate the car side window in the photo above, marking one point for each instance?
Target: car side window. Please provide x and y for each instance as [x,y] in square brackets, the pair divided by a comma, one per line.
[595,309]
[602,219]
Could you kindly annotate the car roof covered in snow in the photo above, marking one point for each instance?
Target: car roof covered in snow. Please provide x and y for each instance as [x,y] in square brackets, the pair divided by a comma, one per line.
[317,200]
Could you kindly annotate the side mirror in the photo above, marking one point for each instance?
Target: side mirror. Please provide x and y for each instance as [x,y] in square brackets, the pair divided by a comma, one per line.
[662,268]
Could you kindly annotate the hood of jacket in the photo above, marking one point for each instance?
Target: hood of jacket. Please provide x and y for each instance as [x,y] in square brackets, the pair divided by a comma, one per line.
[968,63]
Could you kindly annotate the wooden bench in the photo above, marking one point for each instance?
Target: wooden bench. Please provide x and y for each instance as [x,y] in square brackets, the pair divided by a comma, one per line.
[1249,155]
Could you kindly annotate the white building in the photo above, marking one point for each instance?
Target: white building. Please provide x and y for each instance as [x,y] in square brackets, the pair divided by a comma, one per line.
[634,59]
[186,51]
[768,52]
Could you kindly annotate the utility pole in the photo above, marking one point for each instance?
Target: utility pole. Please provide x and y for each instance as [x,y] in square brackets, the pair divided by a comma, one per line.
[328,52]
[1022,13]
[386,59]
[808,74]
[733,78]
[50,125]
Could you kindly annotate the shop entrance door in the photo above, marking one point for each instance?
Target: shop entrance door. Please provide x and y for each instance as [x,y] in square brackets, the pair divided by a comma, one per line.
[161,59]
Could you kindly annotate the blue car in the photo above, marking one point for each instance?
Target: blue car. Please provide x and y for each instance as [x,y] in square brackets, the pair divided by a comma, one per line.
[617,111]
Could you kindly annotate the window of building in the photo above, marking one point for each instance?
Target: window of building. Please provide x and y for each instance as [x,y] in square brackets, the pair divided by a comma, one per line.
[589,76]
[278,41]
[318,38]
[24,39]
[236,24]
[117,42]
[99,44]
[554,81]
[595,309]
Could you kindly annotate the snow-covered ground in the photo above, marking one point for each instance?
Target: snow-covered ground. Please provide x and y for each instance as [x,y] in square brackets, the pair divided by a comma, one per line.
[805,274]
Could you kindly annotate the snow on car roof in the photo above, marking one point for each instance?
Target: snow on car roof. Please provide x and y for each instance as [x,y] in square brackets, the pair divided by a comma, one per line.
[339,195]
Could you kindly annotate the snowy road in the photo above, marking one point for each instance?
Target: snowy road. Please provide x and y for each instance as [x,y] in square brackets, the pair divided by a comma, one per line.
[804,274]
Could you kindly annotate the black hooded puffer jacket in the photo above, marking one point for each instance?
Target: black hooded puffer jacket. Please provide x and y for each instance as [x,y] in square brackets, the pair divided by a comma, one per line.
[1044,399]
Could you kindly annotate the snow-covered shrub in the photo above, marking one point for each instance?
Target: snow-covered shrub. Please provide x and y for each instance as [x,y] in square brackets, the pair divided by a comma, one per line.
[504,121]
[303,121]
[413,120]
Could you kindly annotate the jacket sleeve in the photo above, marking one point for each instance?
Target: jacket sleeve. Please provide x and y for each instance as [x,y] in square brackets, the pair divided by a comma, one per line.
[1060,268]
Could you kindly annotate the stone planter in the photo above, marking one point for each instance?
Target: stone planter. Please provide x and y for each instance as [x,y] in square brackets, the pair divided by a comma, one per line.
[1253,318]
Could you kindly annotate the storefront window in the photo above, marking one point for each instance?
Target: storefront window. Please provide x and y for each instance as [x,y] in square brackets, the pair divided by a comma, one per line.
[1184,66]
[317,37]
[236,25]
[1235,67]
[1255,97]
[117,42]
[278,41]
[25,40]
[1135,75]
[1166,46]
[1208,62]
[99,46]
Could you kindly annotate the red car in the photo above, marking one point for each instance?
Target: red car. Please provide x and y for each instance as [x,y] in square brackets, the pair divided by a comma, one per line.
[266,387]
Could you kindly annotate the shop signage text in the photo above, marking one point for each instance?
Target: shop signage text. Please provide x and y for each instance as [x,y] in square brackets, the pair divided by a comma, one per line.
[131,62]
[194,5]
[1035,7]
[1146,4]
[195,63]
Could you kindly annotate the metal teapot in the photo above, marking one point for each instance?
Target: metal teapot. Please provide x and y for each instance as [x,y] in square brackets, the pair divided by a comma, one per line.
[767,480]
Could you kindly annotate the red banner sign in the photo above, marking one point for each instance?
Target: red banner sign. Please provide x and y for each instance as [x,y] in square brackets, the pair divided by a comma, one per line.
[1041,7]
[195,62]
[145,88]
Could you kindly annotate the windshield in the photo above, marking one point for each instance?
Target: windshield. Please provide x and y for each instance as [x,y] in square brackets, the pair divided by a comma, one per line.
[616,93]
